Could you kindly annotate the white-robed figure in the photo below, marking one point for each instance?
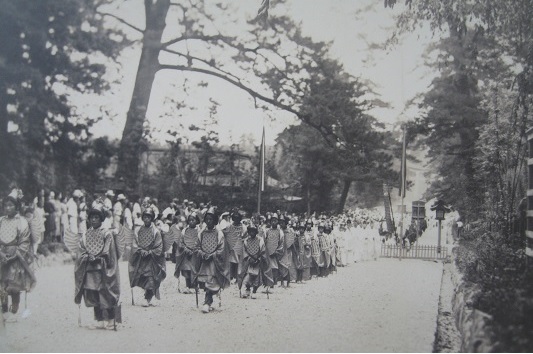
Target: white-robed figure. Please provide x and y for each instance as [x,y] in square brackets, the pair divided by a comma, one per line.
[350,242]
[108,204]
[365,243]
[341,244]
[118,211]
[72,211]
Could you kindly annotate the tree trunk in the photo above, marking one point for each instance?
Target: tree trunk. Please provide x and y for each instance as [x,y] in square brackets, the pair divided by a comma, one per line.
[130,145]
[344,195]
[5,175]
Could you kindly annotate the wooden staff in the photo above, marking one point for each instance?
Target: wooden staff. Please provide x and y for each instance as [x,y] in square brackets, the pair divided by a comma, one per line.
[196,292]
[79,315]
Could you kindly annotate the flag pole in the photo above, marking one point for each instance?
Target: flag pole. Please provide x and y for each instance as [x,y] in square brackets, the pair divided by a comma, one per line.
[403,181]
[261,184]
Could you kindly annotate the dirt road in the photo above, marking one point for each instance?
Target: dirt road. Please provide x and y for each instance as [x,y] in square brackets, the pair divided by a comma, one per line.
[378,306]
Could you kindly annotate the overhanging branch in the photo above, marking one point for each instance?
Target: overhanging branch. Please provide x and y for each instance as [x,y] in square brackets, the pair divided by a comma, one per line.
[234,82]
[196,36]
[325,131]
[122,21]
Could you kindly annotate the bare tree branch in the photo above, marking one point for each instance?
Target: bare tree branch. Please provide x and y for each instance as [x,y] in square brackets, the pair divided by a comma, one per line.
[190,58]
[195,36]
[325,131]
[122,21]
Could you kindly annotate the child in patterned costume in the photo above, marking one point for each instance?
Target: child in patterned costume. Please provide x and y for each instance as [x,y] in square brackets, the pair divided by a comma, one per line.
[96,271]
[324,257]
[315,253]
[331,239]
[255,270]
[304,254]
[233,234]
[187,261]
[147,264]
[287,263]
[15,256]
[213,272]
[274,246]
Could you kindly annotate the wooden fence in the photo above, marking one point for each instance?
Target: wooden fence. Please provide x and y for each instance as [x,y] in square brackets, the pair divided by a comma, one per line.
[416,252]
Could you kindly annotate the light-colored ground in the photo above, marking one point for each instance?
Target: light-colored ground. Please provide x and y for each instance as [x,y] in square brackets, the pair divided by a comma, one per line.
[376,306]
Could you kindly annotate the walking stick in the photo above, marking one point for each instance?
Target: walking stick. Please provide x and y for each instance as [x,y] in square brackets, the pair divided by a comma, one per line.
[220,298]
[26,313]
[268,297]
[132,301]
[196,292]
[79,315]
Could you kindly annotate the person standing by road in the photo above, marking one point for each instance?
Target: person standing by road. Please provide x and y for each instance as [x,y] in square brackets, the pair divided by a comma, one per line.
[255,270]
[213,272]
[147,265]
[118,211]
[304,254]
[233,234]
[50,218]
[187,261]
[96,272]
[15,256]
[274,246]
[72,211]
[108,203]
[324,252]
[287,267]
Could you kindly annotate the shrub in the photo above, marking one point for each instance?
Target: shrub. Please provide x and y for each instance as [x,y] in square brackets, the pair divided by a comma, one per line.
[497,263]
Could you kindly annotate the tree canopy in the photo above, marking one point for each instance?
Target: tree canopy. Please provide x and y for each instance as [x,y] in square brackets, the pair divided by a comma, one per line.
[52,50]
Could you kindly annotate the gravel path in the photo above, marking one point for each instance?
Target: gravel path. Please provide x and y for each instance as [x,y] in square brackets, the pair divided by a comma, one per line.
[378,306]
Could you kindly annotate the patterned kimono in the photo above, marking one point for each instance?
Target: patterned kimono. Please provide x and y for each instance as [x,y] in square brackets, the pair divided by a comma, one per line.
[304,256]
[332,251]
[98,280]
[233,234]
[315,256]
[325,253]
[187,261]
[274,248]
[50,223]
[213,273]
[255,269]
[16,274]
[289,260]
[147,271]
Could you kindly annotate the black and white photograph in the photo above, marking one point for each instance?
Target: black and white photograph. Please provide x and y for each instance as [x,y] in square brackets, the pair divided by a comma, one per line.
[266,176]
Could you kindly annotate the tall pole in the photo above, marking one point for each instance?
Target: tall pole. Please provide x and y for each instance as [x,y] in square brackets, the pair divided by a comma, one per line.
[438,247]
[403,177]
[259,201]
[401,224]
[262,176]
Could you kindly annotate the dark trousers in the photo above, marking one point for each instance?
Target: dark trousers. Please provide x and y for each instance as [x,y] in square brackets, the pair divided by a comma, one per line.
[188,282]
[275,275]
[15,301]
[209,296]
[254,288]
[101,314]
[233,270]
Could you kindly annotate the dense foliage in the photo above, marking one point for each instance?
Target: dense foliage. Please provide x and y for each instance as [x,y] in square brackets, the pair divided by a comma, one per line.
[51,50]
[476,116]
